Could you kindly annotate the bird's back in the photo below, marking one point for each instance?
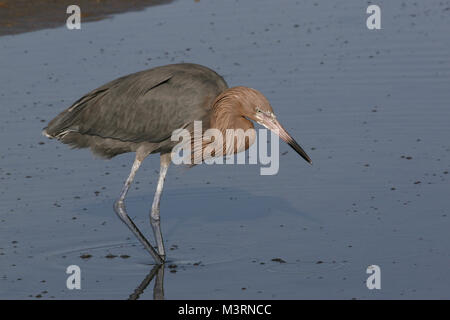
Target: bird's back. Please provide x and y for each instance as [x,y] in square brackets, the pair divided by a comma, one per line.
[143,107]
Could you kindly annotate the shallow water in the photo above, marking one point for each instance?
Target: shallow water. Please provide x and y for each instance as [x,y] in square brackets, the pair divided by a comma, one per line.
[370,107]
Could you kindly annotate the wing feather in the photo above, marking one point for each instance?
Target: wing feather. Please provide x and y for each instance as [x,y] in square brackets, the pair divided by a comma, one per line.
[144,106]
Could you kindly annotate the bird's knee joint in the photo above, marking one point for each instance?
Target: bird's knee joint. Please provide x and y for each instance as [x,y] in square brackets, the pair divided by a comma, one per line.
[119,207]
[118,204]
[154,220]
[154,214]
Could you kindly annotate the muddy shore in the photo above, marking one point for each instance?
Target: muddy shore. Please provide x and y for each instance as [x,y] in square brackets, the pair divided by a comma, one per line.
[18,16]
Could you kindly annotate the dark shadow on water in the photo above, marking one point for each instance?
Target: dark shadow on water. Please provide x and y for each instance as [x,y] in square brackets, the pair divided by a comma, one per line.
[211,204]
[226,204]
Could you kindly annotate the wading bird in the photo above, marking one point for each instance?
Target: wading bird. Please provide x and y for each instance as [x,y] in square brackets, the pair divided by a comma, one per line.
[139,112]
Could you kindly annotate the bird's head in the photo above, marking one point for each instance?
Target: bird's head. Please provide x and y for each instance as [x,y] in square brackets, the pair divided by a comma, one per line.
[254,105]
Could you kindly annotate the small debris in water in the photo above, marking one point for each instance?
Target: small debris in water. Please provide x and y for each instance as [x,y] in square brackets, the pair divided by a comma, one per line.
[278,260]
[86,256]
[110,256]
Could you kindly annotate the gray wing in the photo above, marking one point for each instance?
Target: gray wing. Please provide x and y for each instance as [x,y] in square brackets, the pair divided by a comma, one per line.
[144,106]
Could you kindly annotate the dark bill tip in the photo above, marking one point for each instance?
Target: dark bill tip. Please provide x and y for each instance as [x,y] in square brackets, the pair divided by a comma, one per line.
[294,145]
[274,125]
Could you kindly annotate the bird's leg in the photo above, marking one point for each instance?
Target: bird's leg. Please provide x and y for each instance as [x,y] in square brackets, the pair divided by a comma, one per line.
[119,208]
[154,214]
[141,288]
[158,289]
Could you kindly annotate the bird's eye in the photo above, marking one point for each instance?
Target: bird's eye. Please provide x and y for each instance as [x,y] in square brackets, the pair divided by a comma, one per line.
[258,110]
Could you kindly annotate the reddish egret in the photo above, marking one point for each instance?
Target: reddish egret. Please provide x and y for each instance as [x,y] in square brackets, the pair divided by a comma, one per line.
[139,112]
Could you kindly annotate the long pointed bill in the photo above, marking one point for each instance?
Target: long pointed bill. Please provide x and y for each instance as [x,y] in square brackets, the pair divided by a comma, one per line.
[273,125]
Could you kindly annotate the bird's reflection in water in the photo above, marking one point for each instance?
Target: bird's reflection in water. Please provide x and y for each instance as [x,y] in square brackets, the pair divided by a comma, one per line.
[158,289]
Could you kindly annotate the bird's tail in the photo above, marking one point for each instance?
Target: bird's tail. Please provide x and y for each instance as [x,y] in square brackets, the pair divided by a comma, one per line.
[46,134]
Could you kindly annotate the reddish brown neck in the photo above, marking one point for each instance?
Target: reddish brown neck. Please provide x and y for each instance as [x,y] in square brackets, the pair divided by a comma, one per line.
[227,111]
[227,114]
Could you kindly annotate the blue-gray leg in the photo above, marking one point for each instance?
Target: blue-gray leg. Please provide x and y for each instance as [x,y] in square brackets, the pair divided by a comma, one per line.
[154,214]
[119,208]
